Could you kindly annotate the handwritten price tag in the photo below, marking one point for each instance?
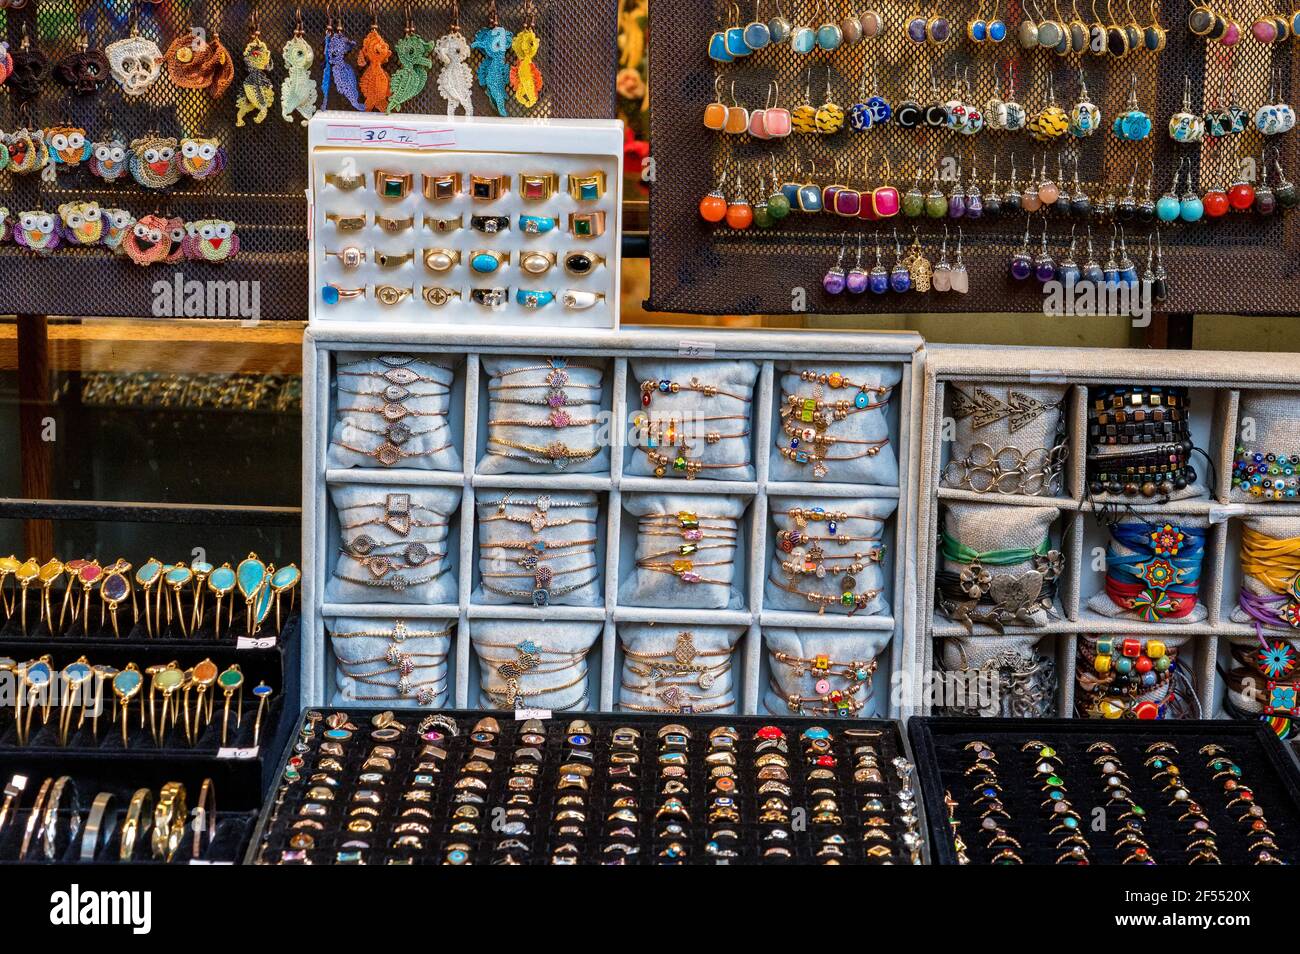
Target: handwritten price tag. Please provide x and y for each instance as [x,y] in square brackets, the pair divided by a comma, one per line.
[255,642]
[696,349]
[391,135]
[243,755]
[523,715]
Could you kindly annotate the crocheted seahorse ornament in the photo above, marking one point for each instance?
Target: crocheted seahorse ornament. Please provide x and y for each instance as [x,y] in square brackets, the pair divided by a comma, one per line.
[455,81]
[298,91]
[493,74]
[408,80]
[525,77]
[374,53]
[339,71]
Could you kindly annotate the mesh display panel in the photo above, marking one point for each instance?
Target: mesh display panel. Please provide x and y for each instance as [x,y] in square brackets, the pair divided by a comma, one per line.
[262,186]
[1241,263]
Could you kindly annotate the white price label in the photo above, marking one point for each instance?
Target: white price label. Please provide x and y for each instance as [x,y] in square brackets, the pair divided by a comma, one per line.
[391,135]
[230,752]
[696,349]
[1047,377]
[523,715]
[255,642]
[1221,514]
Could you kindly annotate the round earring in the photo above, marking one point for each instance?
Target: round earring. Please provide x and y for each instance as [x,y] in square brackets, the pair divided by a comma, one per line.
[1186,126]
[1077,30]
[873,23]
[1146,208]
[829,118]
[762,214]
[936,203]
[1265,200]
[993,201]
[1287,194]
[740,215]
[857,279]
[1241,194]
[713,207]
[957,197]
[1133,30]
[909,114]
[1201,19]
[913,201]
[1128,273]
[1080,201]
[1048,190]
[1050,123]
[1167,206]
[977,31]
[1117,39]
[1096,33]
[1067,271]
[1132,125]
[1011,198]
[851,26]
[1051,33]
[778,27]
[803,118]
[1190,206]
[1126,207]
[1215,201]
[829,34]
[803,38]
[1085,117]
[757,33]
[1029,200]
[997,32]
[778,202]
[1022,266]
[834,280]
[1027,33]
[1092,271]
[900,279]
[878,277]
[1044,267]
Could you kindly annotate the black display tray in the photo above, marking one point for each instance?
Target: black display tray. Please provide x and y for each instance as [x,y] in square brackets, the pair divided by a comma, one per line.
[1267,767]
[269,839]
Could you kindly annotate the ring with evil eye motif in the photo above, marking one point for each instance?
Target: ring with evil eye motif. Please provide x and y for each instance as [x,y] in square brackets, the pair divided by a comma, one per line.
[581,300]
[433,295]
[350,257]
[440,260]
[489,297]
[333,294]
[582,263]
[534,299]
[537,263]
[490,224]
[536,224]
[391,294]
[485,261]
[444,225]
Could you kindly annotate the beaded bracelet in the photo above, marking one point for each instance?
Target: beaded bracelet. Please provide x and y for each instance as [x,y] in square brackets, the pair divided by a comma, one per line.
[1118,671]
[687,466]
[1271,476]
[836,702]
[847,598]
[665,386]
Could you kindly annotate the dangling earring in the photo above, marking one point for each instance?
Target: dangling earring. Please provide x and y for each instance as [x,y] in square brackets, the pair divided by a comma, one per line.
[1214,199]
[960,279]
[1013,115]
[974,118]
[1241,194]
[1186,126]
[1133,30]
[1275,117]
[1029,200]
[493,41]
[977,31]
[757,34]
[1050,123]
[1051,33]
[135,62]
[1111,269]
[974,198]
[856,280]
[1160,278]
[1048,190]
[909,115]
[337,69]
[900,279]
[762,214]
[734,33]
[936,203]
[941,280]
[1085,117]
[878,277]
[740,215]
[1028,32]
[1080,201]
[1063,203]
[936,114]
[804,116]
[810,194]
[776,118]
[202,158]
[778,26]
[840,199]
[1022,266]
[859,115]
[107,155]
[1011,198]
[525,75]
[873,23]
[718,51]
[993,201]
[1287,194]
[1167,206]
[994,107]
[715,113]
[455,79]
[829,34]
[851,25]
[957,196]
[918,266]
[1077,30]
[1096,34]
[1146,208]
[938,29]
[803,38]
[834,279]
[1092,270]
[374,53]
[1132,125]
[713,207]
[1117,39]
[298,91]
[1190,206]
[1265,199]
[913,201]
[1126,207]
[778,203]
[737,115]
[1044,267]
[1067,272]
[1154,36]
[84,71]
[758,118]
[1127,268]
[829,117]
[915,28]
[256,94]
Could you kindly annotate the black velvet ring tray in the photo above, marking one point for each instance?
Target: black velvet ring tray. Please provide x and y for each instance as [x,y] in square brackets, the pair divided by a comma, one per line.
[273,832]
[942,759]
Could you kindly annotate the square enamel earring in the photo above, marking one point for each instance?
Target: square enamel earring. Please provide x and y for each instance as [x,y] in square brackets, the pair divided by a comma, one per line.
[757,33]
[758,118]
[737,115]
[776,118]
[735,34]
[715,113]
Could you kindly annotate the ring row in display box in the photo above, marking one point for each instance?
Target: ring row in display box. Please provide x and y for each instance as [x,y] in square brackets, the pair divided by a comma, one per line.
[1217,384]
[894,354]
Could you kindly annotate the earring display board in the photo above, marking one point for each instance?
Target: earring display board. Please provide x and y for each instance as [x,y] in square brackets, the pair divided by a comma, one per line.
[457,225]
[607,789]
[903,110]
[694,548]
[173,85]
[1198,527]
[1205,792]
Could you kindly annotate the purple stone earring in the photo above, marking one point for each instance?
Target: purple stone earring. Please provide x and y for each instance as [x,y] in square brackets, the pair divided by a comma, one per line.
[1044,267]
[900,279]
[1022,266]
[856,280]
[834,279]
[878,277]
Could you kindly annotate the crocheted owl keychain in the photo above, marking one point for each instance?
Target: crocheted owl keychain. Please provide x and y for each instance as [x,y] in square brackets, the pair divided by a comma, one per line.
[525,77]
[338,71]
[6,61]
[117,223]
[374,53]
[196,62]
[202,157]
[82,223]
[455,80]
[415,54]
[148,241]
[210,240]
[108,153]
[37,232]
[297,92]
[256,93]
[493,41]
[155,161]
[69,147]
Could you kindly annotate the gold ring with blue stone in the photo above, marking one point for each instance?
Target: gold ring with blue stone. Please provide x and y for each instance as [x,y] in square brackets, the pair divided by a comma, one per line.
[530,298]
[485,261]
[441,186]
[392,185]
[587,224]
[333,294]
[588,186]
[536,224]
